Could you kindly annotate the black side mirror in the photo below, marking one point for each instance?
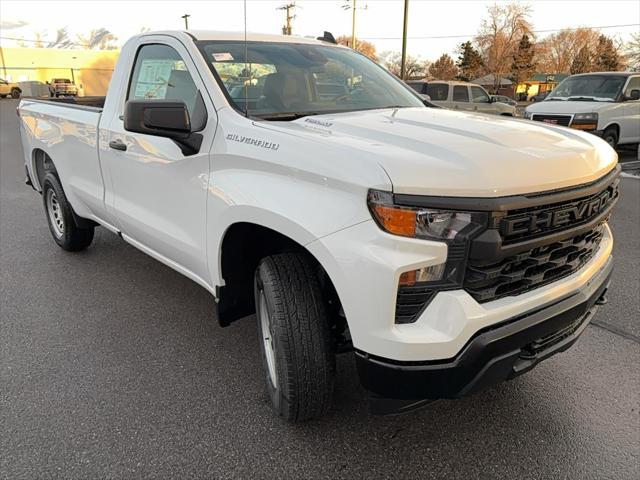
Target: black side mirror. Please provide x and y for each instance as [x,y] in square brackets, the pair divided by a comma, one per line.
[168,118]
[634,94]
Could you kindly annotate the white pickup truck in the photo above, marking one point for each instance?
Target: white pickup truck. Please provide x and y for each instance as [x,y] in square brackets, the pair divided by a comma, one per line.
[447,250]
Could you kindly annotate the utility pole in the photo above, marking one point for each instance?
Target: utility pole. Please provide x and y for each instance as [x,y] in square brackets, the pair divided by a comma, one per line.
[289,7]
[353,26]
[186,20]
[403,61]
[353,7]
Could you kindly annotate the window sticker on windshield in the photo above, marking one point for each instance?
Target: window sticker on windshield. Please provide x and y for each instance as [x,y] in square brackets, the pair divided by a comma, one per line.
[222,57]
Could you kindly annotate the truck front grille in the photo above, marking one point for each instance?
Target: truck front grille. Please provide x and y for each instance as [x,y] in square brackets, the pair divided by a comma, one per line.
[563,120]
[531,269]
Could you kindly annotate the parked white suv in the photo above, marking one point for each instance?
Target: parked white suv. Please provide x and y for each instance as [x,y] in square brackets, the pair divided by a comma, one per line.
[462,96]
[605,104]
[445,250]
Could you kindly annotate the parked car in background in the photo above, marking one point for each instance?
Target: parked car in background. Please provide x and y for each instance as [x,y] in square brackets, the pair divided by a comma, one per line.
[605,104]
[504,99]
[34,88]
[540,96]
[63,86]
[461,96]
[9,89]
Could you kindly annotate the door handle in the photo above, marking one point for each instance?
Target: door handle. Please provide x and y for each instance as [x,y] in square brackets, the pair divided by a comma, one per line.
[117,145]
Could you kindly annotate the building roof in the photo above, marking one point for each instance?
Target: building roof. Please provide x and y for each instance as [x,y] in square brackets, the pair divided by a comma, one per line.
[542,77]
[489,80]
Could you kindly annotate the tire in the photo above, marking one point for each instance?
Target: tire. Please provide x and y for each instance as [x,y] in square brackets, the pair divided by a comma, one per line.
[15,93]
[59,214]
[295,340]
[3,96]
[610,136]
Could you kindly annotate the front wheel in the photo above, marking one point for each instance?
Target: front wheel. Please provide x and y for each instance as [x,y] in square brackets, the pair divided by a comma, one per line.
[295,340]
[610,136]
[15,93]
[62,225]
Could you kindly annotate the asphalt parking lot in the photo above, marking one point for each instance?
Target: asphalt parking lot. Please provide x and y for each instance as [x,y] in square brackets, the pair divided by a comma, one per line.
[113,366]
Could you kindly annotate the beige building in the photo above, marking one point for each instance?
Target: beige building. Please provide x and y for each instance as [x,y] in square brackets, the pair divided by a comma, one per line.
[89,69]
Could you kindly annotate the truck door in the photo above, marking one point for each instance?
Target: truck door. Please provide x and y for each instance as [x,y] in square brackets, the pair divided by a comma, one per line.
[630,122]
[481,100]
[158,194]
[461,98]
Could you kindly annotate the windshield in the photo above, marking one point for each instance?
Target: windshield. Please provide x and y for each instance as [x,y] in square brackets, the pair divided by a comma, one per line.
[601,88]
[284,80]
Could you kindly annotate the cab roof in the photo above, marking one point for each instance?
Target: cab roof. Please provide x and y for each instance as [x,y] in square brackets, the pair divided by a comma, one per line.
[251,37]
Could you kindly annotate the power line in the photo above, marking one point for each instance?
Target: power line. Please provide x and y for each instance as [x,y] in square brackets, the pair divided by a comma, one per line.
[475,34]
[434,37]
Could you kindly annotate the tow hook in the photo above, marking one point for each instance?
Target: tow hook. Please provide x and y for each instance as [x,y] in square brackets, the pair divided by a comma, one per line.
[603,300]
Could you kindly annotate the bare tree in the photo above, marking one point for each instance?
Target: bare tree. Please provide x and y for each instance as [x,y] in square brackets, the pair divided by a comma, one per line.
[557,52]
[632,51]
[362,46]
[500,35]
[415,68]
[98,39]
[443,69]
[62,39]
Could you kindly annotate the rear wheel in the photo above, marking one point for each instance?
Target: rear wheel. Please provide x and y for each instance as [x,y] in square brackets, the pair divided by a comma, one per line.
[610,136]
[295,340]
[62,225]
[15,93]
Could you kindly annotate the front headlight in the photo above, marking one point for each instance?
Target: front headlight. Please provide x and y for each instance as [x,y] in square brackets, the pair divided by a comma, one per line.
[586,116]
[418,222]
[418,287]
[527,115]
[585,121]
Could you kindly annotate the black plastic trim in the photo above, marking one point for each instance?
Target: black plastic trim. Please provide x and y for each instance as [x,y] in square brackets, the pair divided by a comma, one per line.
[514,202]
[494,354]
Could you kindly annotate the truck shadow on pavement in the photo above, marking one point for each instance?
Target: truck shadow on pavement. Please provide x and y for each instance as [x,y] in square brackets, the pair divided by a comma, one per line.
[218,374]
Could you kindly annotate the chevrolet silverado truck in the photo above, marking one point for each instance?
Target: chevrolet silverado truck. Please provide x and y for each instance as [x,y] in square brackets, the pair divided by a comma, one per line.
[444,250]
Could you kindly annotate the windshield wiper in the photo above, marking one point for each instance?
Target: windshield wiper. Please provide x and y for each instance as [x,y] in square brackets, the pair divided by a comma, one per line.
[582,99]
[287,116]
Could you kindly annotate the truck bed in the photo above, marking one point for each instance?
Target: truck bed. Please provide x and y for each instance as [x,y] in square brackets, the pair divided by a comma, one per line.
[92,103]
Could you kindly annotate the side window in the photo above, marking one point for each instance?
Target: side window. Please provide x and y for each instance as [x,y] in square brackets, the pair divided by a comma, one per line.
[479,95]
[634,84]
[460,93]
[438,91]
[160,73]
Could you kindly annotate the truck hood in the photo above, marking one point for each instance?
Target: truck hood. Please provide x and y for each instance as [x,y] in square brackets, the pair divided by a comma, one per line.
[567,107]
[432,151]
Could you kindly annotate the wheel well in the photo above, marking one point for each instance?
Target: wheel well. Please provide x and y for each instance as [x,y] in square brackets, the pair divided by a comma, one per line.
[243,246]
[43,164]
[615,127]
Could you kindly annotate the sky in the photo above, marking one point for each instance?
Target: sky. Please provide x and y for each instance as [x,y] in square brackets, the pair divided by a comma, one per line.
[379,21]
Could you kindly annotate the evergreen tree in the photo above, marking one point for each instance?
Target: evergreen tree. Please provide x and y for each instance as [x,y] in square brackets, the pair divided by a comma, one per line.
[469,62]
[582,61]
[606,58]
[523,65]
